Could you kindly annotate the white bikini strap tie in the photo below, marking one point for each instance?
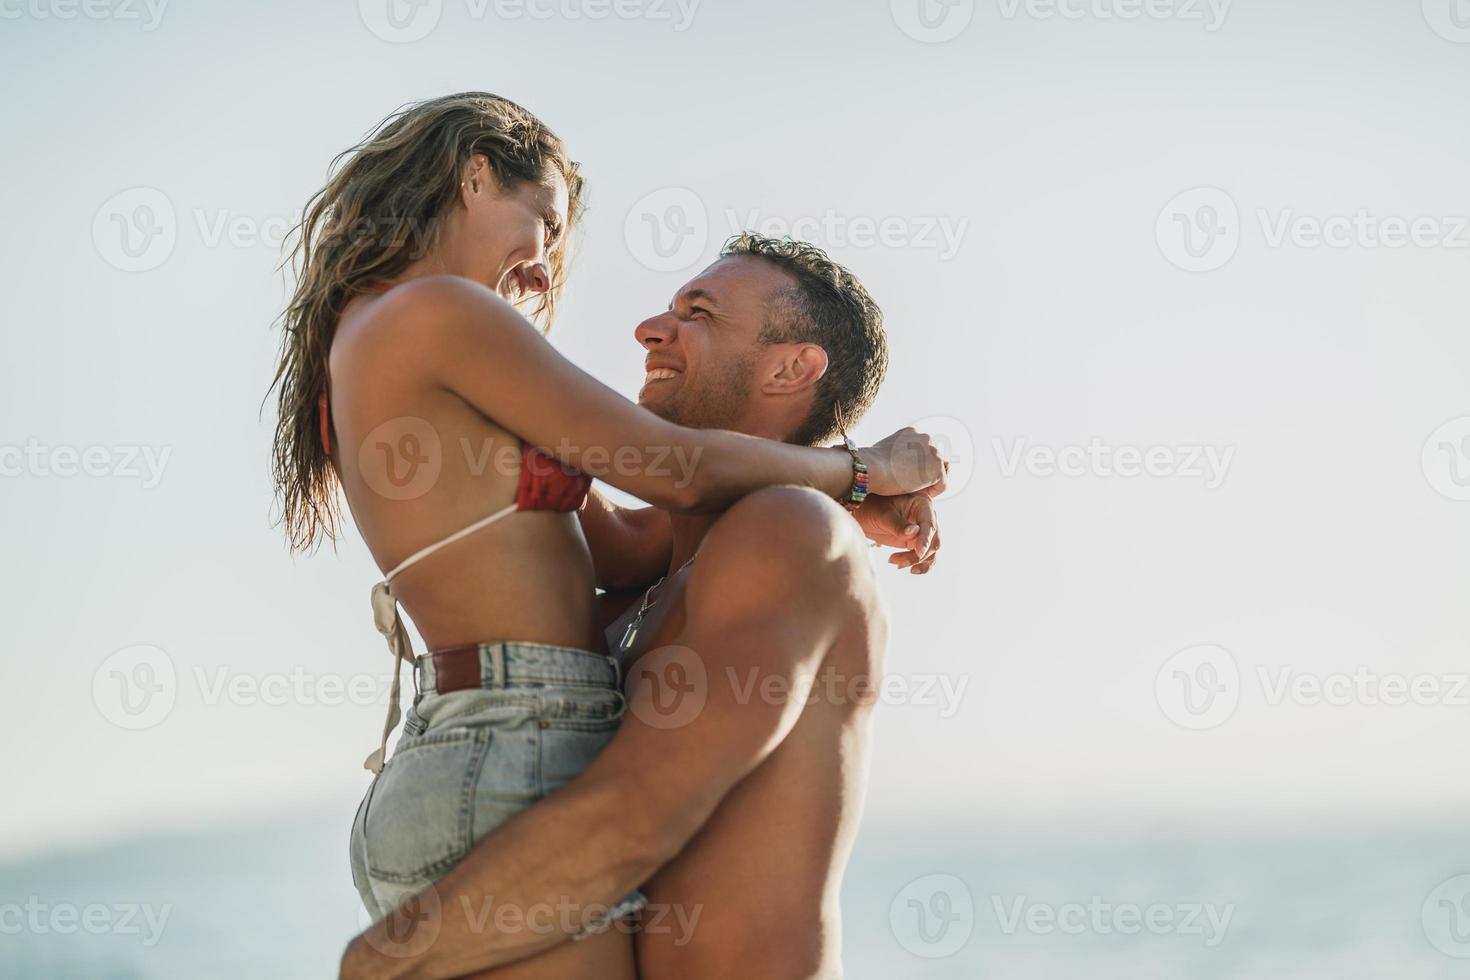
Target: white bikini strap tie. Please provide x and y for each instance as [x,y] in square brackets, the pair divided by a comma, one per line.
[390,624]
[388,621]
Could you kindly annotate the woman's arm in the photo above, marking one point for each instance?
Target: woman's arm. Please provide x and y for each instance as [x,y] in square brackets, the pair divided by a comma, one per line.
[476,345]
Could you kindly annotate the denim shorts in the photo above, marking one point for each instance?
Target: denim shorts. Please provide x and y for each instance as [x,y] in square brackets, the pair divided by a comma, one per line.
[469,760]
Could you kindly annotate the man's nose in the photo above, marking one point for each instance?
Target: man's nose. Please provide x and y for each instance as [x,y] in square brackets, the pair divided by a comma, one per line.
[657,331]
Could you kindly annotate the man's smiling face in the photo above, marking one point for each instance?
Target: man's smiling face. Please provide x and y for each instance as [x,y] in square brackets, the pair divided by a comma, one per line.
[703,352]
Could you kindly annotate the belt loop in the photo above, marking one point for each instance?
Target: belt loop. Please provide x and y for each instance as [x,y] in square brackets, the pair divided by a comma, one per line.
[617,666]
[496,666]
[418,676]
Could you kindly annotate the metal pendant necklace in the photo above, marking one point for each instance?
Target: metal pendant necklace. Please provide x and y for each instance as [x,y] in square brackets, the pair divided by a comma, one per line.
[630,635]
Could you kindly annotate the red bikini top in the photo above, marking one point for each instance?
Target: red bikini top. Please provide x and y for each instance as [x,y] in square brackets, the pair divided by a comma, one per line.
[545,483]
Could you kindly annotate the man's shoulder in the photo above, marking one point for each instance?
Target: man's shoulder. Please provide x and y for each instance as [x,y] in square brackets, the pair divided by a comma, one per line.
[793,517]
[782,539]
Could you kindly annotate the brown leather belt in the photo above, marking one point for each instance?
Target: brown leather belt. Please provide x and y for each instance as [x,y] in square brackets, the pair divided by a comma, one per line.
[497,665]
[455,669]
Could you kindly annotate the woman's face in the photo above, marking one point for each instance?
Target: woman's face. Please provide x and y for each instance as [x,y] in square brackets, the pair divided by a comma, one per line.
[513,231]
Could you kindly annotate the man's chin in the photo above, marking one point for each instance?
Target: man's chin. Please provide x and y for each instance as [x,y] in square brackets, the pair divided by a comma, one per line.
[662,407]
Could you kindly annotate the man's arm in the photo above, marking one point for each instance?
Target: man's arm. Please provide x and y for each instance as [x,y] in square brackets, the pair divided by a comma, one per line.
[630,546]
[667,768]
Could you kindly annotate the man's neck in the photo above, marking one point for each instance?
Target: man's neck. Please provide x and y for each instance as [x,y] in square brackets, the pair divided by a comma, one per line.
[688,533]
[689,529]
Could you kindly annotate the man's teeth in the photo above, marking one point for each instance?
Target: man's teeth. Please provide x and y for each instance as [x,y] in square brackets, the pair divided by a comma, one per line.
[661,374]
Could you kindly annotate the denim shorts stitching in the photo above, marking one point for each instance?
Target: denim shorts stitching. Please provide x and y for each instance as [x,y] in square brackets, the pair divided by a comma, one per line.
[581,724]
[485,712]
[411,744]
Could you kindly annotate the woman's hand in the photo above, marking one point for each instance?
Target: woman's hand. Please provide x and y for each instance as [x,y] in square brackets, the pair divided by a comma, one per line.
[908,523]
[905,462]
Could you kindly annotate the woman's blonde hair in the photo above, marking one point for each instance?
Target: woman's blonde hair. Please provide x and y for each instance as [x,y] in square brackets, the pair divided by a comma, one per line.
[382,209]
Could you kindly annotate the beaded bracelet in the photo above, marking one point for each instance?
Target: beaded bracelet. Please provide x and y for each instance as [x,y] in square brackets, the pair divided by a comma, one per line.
[859,491]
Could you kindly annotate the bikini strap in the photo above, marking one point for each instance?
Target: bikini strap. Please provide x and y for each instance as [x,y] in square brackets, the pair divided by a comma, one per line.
[389,621]
[423,553]
[390,624]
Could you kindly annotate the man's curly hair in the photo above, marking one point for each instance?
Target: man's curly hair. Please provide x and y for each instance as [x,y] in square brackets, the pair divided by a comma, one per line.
[830,308]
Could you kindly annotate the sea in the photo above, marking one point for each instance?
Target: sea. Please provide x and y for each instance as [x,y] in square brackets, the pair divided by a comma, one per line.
[920,902]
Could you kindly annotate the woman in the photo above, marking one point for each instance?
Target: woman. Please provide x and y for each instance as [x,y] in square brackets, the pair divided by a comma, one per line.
[409,380]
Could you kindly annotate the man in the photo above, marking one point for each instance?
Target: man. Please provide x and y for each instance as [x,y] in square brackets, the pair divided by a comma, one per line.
[734,785]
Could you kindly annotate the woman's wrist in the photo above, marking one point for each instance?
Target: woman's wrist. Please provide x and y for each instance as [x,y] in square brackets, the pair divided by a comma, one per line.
[837,472]
[857,489]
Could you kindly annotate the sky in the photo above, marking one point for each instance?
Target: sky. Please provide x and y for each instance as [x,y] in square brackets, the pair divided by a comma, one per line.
[1180,285]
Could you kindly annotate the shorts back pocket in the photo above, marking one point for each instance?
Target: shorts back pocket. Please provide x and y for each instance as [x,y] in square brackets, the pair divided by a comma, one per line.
[419,820]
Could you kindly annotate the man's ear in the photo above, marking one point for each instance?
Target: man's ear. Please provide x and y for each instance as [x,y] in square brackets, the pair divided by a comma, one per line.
[801,366]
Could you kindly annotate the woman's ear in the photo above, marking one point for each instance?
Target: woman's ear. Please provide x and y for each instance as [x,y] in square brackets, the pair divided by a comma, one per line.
[801,366]
[477,178]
